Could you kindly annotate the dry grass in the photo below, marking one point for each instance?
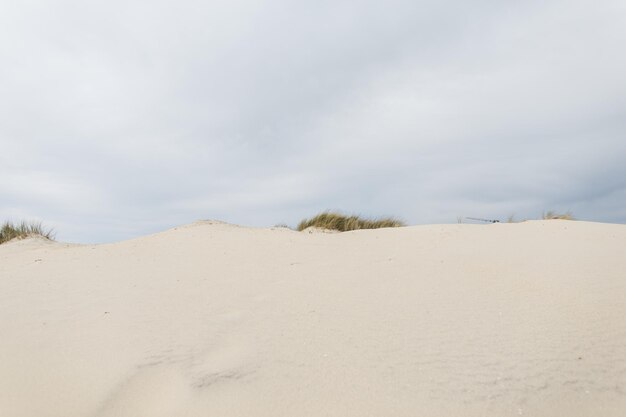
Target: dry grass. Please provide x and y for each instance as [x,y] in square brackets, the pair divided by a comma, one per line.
[552,215]
[23,230]
[342,223]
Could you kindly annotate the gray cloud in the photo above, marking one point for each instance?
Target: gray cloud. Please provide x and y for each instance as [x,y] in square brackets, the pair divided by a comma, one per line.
[124,118]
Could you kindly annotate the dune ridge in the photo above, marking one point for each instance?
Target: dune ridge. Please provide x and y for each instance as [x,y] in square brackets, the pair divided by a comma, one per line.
[217,319]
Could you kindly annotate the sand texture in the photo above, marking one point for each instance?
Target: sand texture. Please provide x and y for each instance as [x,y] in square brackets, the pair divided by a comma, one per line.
[212,319]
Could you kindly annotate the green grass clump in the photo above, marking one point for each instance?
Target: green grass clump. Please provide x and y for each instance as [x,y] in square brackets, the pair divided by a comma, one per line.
[23,230]
[342,223]
[552,215]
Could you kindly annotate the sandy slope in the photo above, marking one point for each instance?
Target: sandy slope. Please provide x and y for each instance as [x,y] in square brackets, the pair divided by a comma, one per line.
[218,320]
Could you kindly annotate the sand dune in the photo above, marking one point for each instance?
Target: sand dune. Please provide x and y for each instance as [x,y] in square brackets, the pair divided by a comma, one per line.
[212,319]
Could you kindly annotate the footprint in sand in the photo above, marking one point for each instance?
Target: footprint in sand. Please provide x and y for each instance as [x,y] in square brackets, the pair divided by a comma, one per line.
[168,388]
[156,391]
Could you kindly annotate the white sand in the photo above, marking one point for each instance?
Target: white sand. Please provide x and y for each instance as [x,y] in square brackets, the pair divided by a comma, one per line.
[218,320]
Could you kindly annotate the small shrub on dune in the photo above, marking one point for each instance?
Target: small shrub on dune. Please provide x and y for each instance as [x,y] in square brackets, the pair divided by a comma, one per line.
[23,230]
[552,215]
[342,223]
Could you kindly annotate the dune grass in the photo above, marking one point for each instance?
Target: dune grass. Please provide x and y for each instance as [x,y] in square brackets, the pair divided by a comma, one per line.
[23,230]
[553,215]
[343,223]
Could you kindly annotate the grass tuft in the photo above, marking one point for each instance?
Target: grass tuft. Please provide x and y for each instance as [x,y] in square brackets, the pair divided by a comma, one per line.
[342,223]
[552,215]
[23,230]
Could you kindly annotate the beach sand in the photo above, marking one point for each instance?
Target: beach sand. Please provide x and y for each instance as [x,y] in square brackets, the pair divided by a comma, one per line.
[212,319]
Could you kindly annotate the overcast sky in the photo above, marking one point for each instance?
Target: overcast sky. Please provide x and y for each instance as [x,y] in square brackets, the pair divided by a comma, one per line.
[123,118]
